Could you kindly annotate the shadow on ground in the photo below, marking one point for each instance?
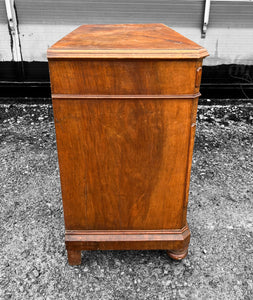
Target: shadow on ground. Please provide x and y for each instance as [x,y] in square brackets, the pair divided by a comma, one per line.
[33,258]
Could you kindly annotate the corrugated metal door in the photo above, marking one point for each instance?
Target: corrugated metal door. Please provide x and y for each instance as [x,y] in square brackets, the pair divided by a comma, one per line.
[229,36]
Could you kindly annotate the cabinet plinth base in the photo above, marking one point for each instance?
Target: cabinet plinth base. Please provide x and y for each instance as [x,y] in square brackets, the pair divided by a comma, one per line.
[171,240]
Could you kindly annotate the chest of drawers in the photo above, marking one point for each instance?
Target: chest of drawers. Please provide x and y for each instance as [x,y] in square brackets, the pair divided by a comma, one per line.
[125,103]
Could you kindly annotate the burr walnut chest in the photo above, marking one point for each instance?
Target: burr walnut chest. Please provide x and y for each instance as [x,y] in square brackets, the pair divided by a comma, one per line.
[125,102]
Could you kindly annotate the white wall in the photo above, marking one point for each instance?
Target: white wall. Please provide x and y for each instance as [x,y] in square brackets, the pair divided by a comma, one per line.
[229,36]
[5,47]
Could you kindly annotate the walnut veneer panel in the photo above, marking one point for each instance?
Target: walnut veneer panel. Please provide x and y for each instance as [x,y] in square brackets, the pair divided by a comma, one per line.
[125,103]
[123,162]
[122,77]
[126,41]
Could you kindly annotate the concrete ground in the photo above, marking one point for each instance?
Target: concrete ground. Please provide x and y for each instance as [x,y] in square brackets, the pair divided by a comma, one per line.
[33,261]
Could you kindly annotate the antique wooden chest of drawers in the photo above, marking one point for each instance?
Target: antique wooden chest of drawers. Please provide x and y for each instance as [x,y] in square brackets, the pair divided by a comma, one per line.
[125,102]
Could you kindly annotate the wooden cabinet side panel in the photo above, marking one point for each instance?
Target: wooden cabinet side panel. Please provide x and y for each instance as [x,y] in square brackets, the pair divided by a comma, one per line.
[123,162]
[122,77]
[194,110]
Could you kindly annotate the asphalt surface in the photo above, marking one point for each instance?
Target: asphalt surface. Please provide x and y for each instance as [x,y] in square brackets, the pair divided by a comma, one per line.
[33,261]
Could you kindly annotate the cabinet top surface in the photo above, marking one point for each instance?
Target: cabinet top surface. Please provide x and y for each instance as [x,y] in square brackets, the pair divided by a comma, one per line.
[126,41]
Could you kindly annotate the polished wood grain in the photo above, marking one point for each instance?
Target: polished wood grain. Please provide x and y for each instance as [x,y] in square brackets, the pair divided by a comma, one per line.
[125,131]
[123,164]
[126,41]
[128,239]
[123,77]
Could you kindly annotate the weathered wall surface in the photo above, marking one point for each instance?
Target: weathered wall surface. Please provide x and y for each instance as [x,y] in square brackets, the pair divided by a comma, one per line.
[5,40]
[229,37]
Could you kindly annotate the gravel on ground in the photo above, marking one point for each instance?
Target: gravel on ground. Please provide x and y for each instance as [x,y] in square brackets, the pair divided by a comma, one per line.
[33,261]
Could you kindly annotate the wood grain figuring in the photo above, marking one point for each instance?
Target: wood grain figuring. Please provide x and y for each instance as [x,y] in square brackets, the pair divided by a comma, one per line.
[125,131]
[126,41]
[128,239]
[122,165]
[123,77]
